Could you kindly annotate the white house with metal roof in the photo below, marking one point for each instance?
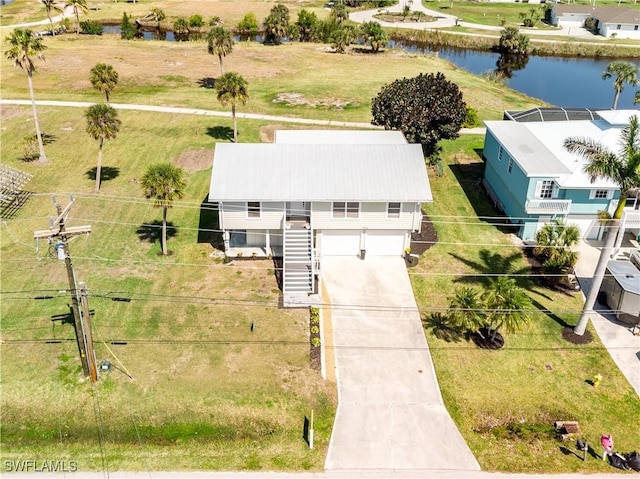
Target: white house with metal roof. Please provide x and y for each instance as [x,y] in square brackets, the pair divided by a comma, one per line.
[609,20]
[534,179]
[317,193]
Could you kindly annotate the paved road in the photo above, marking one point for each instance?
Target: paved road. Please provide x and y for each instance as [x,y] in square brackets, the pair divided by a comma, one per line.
[224,114]
[390,412]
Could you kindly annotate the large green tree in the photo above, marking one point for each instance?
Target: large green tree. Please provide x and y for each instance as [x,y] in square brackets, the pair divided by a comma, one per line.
[78,6]
[624,72]
[51,5]
[248,25]
[220,42]
[102,124]
[426,108]
[373,34]
[164,183]
[24,47]
[231,88]
[104,78]
[308,26]
[276,25]
[342,37]
[621,167]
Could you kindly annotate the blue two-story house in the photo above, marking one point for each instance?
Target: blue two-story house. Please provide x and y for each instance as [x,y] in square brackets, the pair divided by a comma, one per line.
[533,179]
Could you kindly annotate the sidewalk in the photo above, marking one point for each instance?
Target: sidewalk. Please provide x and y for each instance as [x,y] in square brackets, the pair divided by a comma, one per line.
[616,336]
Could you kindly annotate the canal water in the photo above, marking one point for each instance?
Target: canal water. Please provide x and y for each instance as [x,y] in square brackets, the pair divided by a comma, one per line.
[559,81]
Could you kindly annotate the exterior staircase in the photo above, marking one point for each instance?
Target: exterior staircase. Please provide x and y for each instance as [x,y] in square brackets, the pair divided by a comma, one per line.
[297,267]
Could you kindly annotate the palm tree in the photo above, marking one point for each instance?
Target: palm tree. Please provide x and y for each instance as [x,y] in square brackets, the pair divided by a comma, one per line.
[507,306]
[24,46]
[219,42]
[102,124]
[339,12]
[373,33]
[52,5]
[232,88]
[623,168]
[104,78]
[625,72]
[466,309]
[159,15]
[164,183]
[636,99]
[554,241]
[77,6]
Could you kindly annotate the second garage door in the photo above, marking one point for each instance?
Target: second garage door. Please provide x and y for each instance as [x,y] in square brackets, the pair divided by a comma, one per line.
[385,242]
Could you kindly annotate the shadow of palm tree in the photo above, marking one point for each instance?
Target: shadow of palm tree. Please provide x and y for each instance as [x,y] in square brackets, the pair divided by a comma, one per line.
[441,328]
[152,232]
[220,132]
[207,82]
[107,173]
[492,263]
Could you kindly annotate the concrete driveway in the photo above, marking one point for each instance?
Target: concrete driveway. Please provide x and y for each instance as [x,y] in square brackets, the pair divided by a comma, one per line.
[390,411]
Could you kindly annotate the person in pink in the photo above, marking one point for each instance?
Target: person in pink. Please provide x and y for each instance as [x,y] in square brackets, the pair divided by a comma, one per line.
[607,443]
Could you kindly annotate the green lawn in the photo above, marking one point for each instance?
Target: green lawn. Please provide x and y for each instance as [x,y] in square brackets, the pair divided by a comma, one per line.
[207,391]
[505,401]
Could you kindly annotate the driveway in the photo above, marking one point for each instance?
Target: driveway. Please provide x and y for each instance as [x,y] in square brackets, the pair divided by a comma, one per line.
[390,412]
[622,345]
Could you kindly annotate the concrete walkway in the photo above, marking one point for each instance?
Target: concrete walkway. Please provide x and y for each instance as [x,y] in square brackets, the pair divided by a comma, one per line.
[224,114]
[616,336]
[390,412]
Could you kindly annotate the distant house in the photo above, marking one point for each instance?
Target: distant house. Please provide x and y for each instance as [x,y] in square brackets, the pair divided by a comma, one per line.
[609,21]
[313,194]
[533,179]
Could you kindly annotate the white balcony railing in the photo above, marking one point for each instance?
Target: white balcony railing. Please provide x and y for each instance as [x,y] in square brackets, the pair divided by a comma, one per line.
[547,206]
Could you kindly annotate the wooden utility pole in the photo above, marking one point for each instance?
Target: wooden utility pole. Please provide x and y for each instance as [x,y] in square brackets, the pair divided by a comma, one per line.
[79,302]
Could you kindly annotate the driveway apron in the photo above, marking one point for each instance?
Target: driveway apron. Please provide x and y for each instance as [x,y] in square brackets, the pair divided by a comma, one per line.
[390,412]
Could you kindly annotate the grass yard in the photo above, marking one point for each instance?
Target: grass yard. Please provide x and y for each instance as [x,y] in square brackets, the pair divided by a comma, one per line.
[505,401]
[207,391]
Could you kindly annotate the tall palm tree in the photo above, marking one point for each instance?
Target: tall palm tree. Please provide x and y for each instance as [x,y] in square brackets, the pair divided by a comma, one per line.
[104,78]
[220,42]
[623,168]
[77,6]
[52,5]
[625,72]
[102,124]
[232,88]
[466,309]
[507,306]
[164,183]
[24,46]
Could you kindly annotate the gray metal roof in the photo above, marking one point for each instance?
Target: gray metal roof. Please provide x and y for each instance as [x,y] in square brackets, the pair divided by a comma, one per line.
[324,172]
[340,137]
[626,274]
[527,149]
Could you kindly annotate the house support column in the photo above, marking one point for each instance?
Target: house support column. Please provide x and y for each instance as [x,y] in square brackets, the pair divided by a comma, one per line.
[225,239]
[267,243]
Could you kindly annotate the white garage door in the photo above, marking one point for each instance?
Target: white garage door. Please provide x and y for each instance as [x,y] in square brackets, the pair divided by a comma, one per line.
[385,243]
[340,243]
[589,227]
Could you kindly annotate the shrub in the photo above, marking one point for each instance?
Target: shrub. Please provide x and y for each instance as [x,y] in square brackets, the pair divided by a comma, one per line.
[127,28]
[181,25]
[196,21]
[315,342]
[91,27]
[471,119]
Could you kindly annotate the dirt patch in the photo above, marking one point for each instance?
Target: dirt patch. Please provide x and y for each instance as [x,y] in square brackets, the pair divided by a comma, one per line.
[192,161]
[268,132]
[298,99]
[428,236]
[570,336]
[10,111]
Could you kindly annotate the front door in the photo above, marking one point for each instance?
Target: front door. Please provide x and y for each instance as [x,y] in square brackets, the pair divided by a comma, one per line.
[297,209]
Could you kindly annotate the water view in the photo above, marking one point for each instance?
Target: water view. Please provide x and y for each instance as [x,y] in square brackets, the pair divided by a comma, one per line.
[560,81]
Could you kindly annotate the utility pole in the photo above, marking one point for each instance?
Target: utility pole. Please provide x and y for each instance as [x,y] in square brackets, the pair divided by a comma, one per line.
[79,301]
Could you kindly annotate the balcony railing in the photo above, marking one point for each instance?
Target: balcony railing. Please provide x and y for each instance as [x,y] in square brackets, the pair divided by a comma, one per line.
[548,206]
